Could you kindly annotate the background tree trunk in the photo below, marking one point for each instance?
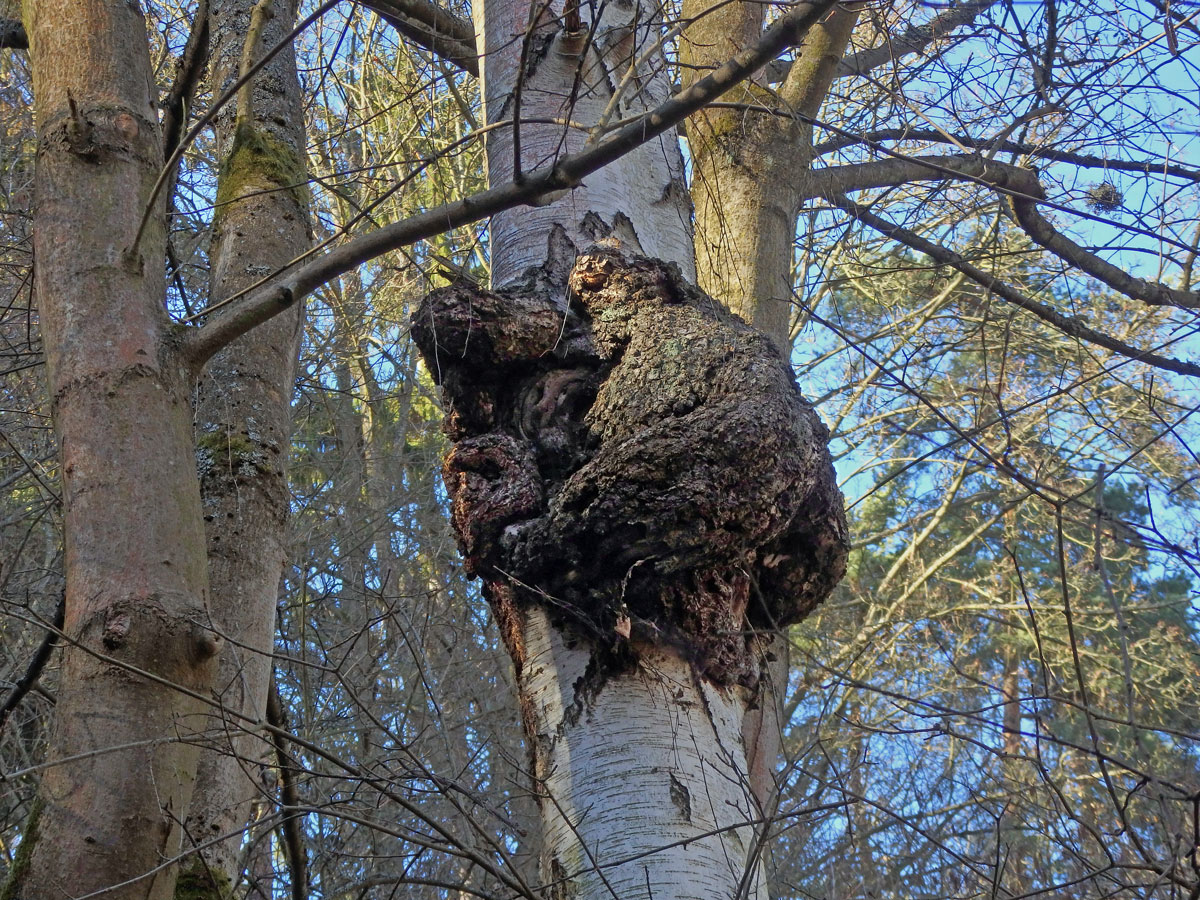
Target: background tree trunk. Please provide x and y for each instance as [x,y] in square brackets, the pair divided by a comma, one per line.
[748,170]
[243,406]
[122,757]
[750,158]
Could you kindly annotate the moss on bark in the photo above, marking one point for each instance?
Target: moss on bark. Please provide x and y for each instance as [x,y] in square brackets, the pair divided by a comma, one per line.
[198,881]
[13,884]
[260,161]
[224,454]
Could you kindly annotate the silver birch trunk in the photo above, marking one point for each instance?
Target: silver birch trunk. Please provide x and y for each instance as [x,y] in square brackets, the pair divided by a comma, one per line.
[645,191]
[616,785]
[640,764]
[646,794]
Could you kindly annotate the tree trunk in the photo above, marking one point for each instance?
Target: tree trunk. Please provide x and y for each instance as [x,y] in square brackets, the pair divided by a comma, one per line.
[642,196]
[122,760]
[243,406]
[635,478]
[643,490]
[749,166]
[748,173]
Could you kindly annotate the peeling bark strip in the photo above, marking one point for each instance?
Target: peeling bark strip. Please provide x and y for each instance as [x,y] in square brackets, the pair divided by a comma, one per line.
[642,466]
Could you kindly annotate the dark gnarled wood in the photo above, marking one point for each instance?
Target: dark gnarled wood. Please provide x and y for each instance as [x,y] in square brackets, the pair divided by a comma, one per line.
[644,456]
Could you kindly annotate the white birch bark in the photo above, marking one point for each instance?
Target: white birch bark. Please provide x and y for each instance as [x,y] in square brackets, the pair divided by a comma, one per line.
[567,80]
[644,790]
[643,782]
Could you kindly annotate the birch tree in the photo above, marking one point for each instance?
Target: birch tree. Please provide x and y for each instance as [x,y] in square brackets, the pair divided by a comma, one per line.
[146,611]
[623,595]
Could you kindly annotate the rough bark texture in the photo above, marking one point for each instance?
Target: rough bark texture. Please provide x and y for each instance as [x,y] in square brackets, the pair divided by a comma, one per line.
[750,167]
[120,768]
[642,489]
[243,421]
[749,171]
[643,465]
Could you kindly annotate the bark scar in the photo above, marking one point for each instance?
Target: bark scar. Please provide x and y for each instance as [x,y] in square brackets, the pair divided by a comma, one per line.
[681,797]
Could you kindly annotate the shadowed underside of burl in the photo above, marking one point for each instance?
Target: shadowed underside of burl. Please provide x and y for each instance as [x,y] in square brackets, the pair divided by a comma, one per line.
[633,458]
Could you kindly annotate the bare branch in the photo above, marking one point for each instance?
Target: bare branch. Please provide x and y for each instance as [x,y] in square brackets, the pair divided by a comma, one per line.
[1050,154]
[41,656]
[272,298]
[1039,229]
[430,26]
[1024,192]
[188,75]
[289,825]
[1069,325]
[912,41]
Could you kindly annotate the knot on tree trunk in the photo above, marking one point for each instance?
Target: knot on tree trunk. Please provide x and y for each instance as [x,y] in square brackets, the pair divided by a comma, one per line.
[634,458]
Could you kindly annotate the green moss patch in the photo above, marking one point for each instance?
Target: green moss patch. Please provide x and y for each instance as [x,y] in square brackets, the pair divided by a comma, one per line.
[198,881]
[13,885]
[259,161]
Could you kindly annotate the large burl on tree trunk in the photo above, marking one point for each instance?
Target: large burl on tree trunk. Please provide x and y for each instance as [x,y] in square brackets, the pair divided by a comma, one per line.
[634,472]
[643,462]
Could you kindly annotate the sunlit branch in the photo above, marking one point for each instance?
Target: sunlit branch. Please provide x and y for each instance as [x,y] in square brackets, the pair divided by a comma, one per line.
[1023,191]
[188,75]
[912,41]
[1148,167]
[566,173]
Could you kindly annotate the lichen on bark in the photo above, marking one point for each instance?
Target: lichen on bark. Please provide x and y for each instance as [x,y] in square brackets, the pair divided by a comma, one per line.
[634,458]
[198,881]
[232,455]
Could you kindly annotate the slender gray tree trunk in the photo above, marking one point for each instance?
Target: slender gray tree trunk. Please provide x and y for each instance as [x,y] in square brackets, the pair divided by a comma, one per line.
[140,650]
[243,406]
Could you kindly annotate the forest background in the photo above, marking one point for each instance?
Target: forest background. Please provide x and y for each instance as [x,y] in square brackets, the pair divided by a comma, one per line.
[1000,699]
